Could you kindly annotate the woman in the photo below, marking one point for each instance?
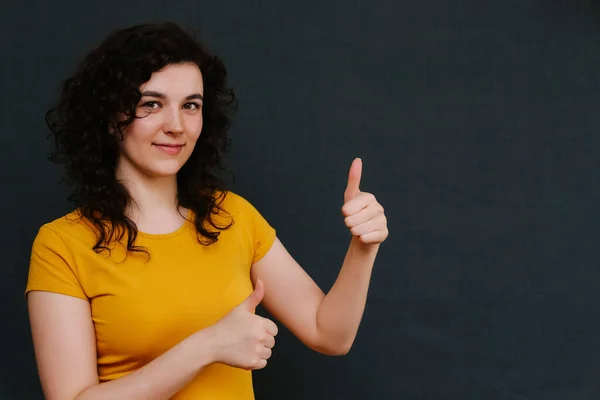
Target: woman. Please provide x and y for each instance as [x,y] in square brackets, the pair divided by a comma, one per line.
[148,289]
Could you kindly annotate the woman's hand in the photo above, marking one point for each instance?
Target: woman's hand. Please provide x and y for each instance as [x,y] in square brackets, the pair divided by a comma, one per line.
[362,213]
[243,339]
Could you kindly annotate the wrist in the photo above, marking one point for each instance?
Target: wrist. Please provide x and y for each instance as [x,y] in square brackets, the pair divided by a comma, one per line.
[365,248]
[204,343]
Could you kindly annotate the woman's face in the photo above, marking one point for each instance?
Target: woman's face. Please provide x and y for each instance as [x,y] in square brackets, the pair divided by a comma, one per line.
[160,141]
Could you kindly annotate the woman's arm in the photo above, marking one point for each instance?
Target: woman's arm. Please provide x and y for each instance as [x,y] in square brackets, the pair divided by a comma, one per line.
[327,324]
[341,311]
[65,347]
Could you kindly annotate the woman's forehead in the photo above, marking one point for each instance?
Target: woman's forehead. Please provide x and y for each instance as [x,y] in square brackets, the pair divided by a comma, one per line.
[175,79]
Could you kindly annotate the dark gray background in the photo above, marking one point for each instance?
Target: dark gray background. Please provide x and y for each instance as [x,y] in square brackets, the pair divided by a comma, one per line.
[477,123]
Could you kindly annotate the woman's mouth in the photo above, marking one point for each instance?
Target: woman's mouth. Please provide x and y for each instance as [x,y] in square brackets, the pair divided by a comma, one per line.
[170,149]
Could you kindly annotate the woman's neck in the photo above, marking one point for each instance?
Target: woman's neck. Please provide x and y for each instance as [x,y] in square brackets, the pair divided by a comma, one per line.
[154,206]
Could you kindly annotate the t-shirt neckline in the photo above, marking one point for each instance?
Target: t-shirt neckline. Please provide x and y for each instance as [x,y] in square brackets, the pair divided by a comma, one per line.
[187,221]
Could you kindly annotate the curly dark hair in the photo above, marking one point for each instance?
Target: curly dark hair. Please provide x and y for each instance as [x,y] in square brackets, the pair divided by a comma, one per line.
[104,86]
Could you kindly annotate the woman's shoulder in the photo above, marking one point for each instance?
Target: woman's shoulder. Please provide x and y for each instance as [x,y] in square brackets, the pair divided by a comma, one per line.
[234,203]
[71,225]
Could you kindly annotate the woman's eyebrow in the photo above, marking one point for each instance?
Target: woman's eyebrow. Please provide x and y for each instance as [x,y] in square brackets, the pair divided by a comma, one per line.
[151,93]
[196,96]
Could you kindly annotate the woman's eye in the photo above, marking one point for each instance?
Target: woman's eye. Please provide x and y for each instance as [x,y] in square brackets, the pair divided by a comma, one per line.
[191,106]
[150,104]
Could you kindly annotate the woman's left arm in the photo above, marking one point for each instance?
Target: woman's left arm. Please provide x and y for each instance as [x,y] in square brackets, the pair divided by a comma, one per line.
[327,323]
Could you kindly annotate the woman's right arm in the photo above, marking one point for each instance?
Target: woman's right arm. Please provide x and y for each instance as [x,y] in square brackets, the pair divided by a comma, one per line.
[65,348]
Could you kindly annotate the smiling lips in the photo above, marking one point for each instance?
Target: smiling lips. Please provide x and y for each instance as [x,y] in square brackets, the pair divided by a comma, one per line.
[170,149]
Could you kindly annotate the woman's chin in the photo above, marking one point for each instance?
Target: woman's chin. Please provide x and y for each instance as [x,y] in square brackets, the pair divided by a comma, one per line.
[164,172]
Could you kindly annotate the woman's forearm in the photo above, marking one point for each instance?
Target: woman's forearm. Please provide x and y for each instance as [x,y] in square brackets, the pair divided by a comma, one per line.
[163,377]
[341,311]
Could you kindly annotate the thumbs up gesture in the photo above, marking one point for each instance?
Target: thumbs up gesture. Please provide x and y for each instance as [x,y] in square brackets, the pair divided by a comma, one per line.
[362,213]
[243,339]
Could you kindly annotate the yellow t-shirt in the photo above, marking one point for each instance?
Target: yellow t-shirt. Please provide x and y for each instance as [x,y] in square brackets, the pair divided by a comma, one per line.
[142,308]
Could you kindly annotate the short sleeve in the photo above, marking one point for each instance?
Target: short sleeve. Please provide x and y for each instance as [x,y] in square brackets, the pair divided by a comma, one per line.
[263,234]
[51,266]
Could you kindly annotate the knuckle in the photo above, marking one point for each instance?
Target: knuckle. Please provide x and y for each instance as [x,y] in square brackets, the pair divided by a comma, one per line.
[257,334]
[260,363]
[264,325]
[272,325]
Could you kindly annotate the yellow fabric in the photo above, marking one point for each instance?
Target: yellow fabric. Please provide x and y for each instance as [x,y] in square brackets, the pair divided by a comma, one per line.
[142,308]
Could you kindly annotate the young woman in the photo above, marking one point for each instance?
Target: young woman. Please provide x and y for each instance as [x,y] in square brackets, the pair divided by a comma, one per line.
[148,289]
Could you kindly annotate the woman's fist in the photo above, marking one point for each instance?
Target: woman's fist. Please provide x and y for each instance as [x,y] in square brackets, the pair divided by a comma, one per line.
[243,339]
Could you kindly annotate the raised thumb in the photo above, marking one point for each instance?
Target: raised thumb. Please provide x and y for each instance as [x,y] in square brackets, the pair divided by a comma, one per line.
[255,297]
